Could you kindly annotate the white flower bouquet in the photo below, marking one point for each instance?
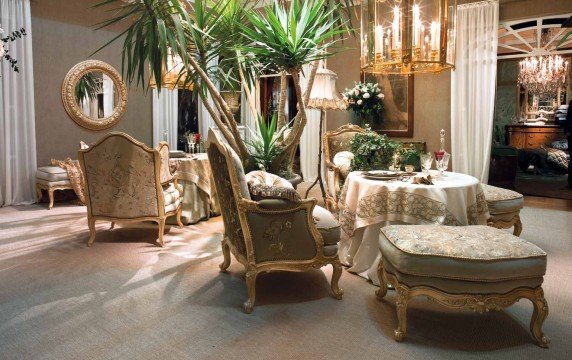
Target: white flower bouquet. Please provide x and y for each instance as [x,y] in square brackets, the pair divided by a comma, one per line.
[364,99]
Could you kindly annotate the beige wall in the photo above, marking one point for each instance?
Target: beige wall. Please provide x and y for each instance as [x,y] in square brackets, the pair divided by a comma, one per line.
[58,46]
[432,96]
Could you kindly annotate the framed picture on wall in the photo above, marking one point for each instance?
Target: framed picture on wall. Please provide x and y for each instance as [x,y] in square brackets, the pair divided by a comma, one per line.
[396,120]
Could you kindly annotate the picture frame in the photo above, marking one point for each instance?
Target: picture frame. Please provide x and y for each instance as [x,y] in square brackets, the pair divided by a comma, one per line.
[397,118]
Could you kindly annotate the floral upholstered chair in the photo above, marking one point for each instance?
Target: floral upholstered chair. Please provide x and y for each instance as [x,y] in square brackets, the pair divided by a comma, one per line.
[127,181]
[337,158]
[270,234]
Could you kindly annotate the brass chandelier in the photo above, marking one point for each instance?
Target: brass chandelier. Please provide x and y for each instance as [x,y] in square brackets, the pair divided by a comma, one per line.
[407,36]
[543,75]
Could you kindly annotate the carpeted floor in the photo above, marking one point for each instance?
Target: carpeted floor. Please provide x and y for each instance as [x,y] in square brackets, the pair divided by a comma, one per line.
[125,298]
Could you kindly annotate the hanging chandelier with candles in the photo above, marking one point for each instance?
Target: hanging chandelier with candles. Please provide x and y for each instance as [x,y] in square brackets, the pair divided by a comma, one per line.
[171,76]
[407,36]
[543,75]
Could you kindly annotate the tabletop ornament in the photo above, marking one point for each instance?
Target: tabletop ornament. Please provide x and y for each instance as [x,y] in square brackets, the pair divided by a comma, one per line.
[442,157]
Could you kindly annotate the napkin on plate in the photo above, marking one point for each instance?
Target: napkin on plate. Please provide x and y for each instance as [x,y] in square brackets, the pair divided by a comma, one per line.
[422,179]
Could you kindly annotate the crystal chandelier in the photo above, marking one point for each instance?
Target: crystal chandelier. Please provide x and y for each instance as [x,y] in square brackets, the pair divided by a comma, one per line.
[543,75]
[407,36]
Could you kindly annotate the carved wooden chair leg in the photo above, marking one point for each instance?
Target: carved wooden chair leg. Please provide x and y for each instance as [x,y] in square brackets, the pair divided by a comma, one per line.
[39,192]
[226,255]
[382,291]
[338,293]
[179,213]
[112,225]
[251,286]
[51,196]
[91,225]
[517,226]
[403,294]
[538,316]
[161,223]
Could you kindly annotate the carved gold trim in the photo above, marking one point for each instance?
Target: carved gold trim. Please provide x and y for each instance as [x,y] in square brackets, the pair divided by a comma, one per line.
[476,302]
[253,268]
[503,224]
[50,190]
[70,102]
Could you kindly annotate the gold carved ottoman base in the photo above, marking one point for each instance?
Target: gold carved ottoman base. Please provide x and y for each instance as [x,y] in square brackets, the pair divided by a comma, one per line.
[475,302]
[477,268]
[50,189]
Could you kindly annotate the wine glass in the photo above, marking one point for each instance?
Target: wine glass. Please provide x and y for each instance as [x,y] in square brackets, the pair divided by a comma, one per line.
[426,162]
[192,142]
[443,163]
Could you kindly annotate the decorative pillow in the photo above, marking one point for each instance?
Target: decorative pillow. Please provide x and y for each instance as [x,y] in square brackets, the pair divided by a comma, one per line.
[560,145]
[263,185]
[558,158]
[343,160]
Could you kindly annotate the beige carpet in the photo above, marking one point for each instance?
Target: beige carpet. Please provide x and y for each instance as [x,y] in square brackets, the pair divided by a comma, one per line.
[125,298]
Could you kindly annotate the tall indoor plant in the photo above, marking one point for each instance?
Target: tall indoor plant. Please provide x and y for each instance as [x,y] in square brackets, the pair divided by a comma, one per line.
[247,41]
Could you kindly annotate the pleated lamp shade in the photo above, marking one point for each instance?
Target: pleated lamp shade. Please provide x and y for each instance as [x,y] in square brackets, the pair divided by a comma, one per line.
[325,95]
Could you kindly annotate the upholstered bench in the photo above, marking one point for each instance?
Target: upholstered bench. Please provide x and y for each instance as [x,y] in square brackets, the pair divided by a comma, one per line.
[504,208]
[51,178]
[480,268]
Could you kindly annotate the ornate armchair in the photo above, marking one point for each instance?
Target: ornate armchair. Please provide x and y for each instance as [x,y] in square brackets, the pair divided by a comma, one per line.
[335,142]
[127,181]
[270,234]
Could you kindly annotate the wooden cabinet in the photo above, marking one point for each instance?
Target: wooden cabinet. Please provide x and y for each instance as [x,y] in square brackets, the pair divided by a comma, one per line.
[533,136]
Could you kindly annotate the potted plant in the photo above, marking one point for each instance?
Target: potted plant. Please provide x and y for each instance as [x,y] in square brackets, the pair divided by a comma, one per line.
[372,151]
[365,100]
[277,38]
[411,157]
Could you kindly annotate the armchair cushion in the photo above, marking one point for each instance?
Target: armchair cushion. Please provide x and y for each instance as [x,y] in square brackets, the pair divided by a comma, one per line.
[327,225]
[343,160]
[172,195]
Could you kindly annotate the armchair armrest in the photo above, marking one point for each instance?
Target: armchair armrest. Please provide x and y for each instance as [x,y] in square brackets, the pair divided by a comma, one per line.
[281,230]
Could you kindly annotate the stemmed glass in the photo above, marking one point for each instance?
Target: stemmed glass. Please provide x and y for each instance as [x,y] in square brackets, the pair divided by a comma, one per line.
[192,142]
[426,162]
[443,163]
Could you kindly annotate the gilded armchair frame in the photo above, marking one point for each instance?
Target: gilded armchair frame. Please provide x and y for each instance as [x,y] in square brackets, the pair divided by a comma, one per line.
[333,171]
[476,302]
[253,268]
[161,216]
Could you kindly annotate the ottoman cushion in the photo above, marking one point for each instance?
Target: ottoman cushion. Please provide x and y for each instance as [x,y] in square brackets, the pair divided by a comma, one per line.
[501,200]
[51,174]
[473,253]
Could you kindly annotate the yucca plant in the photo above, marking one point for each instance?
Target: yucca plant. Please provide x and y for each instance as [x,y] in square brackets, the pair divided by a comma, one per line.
[87,88]
[247,41]
[264,147]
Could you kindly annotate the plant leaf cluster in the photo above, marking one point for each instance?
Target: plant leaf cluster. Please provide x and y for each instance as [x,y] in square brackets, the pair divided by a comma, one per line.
[373,151]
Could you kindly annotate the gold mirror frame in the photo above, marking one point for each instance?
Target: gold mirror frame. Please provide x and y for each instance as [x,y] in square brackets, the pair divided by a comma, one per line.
[70,102]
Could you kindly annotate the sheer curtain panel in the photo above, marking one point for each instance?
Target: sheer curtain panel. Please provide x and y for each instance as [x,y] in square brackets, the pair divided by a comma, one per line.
[310,139]
[473,85]
[17,117]
[165,116]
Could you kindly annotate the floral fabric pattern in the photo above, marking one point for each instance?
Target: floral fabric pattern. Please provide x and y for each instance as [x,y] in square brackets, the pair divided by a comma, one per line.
[471,242]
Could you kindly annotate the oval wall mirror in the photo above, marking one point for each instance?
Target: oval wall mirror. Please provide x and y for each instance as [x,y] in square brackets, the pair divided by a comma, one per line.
[94,95]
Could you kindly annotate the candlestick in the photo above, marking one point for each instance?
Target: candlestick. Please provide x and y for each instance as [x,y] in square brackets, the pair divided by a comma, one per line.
[396,43]
[435,35]
[379,40]
[416,25]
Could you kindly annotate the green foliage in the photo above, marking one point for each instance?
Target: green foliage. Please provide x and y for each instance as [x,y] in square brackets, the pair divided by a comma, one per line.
[264,147]
[372,151]
[286,38]
[364,99]
[412,157]
[87,88]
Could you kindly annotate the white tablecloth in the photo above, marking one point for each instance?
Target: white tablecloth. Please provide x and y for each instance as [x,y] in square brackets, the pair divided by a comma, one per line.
[367,205]
[199,195]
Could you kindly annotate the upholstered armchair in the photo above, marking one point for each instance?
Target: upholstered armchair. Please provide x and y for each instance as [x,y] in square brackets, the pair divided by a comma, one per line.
[336,142]
[270,234]
[126,181]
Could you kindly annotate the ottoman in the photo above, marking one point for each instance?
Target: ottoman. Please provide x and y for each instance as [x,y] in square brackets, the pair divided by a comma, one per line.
[479,268]
[504,208]
[51,178]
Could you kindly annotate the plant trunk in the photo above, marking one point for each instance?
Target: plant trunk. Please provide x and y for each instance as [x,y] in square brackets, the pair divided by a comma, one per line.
[282,103]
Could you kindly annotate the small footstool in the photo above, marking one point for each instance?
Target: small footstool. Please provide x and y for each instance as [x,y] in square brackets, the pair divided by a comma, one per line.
[51,178]
[504,208]
[480,268]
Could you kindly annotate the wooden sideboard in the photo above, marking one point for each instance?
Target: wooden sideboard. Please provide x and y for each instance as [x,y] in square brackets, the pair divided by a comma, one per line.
[532,136]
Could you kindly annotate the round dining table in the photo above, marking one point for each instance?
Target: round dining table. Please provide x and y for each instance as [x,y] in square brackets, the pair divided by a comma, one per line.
[366,205]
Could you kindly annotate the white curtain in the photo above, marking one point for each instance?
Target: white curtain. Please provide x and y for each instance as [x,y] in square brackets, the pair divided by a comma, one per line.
[107,88]
[165,116]
[473,88]
[249,120]
[17,116]
[310,140]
